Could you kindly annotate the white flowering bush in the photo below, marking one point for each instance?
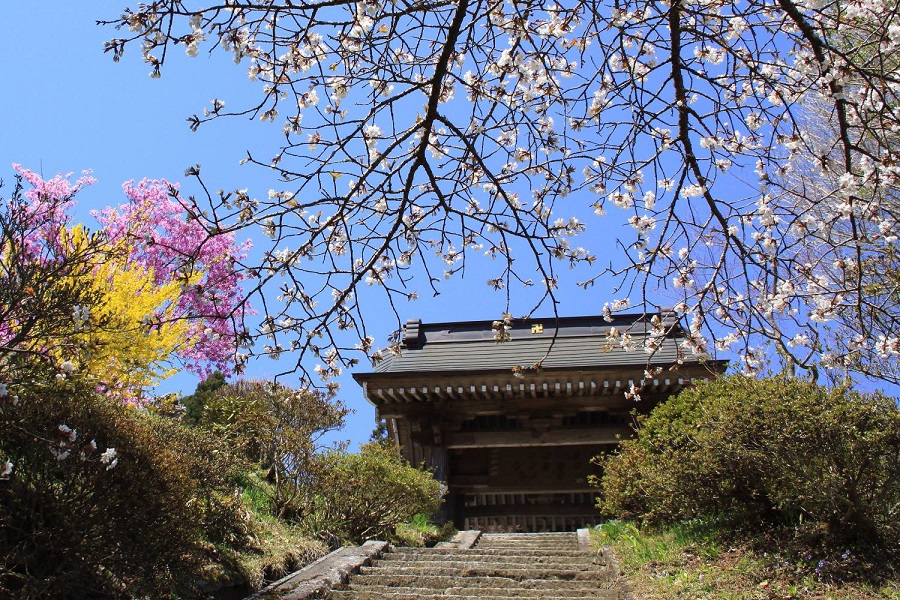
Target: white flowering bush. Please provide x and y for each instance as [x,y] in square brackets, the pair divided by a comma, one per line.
[749,148]
[100,499]
[93,503]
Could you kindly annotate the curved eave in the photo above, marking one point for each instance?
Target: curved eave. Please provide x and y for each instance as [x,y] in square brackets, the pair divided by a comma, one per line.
[714,366]
[411,387]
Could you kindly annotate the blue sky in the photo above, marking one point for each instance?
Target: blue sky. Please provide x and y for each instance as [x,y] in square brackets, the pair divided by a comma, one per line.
[65,106]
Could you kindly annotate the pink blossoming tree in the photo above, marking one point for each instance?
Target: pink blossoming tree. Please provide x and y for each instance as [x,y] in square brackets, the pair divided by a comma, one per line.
[149,287]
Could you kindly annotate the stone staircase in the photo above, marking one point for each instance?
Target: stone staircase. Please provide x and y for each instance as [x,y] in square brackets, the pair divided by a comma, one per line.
[500,565]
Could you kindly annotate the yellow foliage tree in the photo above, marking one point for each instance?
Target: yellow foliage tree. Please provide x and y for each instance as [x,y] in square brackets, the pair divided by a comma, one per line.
[125,341]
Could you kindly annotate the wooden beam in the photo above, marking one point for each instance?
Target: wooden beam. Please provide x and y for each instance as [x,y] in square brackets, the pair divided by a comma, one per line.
[476,485]
[624,372]
[539,510]
[472,406]
[416,391]
[405,442]
[516,439]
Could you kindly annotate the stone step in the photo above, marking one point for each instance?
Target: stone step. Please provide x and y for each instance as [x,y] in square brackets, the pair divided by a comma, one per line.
[483,591]
[527,550]
[378,595]
[549,546]
[544,562]
[528,537]
[446,581]
[517,572]
[525,554]
[541,539]
[500,566]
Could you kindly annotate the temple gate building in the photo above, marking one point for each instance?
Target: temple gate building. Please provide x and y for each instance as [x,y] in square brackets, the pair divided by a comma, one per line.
[512,443]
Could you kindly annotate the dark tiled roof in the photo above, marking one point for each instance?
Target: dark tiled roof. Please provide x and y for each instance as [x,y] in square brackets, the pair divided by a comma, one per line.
[577,343]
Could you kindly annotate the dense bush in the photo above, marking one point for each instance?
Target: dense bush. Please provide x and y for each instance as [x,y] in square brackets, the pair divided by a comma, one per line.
[99,499]
[276,428]
[77,521]
[775,450]
[107,500]
[366,495]
[216,471]
[337,496]
[195,403]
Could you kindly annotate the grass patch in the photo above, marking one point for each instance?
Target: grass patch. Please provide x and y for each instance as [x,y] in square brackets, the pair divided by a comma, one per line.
[701,559]
[275,547]
[421,532]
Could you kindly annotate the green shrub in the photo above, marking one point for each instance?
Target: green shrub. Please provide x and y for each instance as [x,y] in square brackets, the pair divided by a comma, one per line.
[277,428]
[771,451]
[216,471]
[336,496]
[274,549]
[365,496]
[195,404]
[154,520]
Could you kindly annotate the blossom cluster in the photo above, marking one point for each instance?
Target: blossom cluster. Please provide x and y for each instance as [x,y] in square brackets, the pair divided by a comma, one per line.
[750,154]
[149,254]
[168,240]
